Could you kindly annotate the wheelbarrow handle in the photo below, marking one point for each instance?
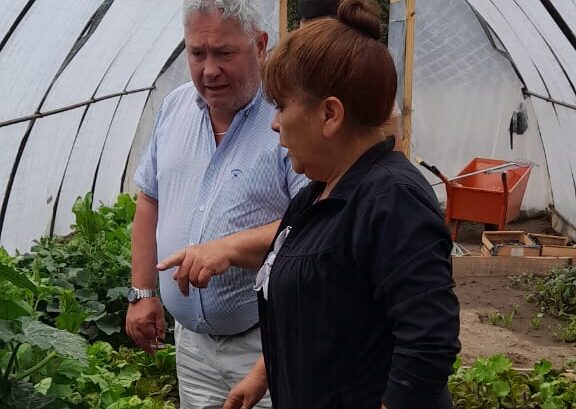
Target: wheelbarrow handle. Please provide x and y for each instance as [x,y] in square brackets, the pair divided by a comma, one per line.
[432,169]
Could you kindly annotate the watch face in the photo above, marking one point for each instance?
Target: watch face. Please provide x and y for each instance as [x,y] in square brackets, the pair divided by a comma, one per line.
[132,295]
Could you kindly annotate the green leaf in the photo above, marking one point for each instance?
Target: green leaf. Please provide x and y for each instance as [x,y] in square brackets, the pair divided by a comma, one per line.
[97,380]
[87,294]
[18,279]
[61,391]
[12,309]
[9,330]
[127,376]
[501,388]
[110,323]
[551,404]
[100,351]
[72,315]
[89,224]
[71,321]
[117,293]
[70,369]
[46,337]
[499,363]
[43,386]
[542,367]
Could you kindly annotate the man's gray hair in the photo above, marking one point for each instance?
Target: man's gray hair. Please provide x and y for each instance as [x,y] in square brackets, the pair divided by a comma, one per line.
[247,12]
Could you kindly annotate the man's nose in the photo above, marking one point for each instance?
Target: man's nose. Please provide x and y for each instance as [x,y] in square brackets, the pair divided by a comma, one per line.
[211,67]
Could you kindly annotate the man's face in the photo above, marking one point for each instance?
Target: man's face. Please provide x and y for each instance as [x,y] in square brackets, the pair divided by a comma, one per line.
[224,61]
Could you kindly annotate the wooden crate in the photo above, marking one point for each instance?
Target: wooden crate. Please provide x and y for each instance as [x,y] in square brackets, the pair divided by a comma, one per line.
[559,251]
[508,243]
[554,246]
[477,266]
[548,240]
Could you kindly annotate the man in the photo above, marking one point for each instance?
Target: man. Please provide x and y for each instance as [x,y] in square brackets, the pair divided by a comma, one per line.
[313,9]
[213,182]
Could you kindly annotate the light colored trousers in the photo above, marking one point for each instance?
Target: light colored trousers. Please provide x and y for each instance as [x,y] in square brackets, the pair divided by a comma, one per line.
[208,366]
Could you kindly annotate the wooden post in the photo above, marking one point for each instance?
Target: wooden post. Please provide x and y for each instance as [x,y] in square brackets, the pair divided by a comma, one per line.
[283,25]
[408,74]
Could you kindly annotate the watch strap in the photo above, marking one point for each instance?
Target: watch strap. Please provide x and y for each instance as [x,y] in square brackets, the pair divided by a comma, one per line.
[145,293]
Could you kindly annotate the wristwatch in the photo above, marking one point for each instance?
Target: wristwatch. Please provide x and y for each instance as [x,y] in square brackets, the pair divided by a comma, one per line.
[136,294]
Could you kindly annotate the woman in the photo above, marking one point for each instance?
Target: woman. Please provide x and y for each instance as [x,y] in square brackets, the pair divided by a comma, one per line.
[356,303]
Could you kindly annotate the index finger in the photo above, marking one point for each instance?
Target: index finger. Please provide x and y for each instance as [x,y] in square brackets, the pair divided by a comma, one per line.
[173,260]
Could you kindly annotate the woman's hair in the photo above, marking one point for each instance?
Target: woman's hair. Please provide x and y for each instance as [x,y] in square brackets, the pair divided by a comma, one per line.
[341,57]
[247,12]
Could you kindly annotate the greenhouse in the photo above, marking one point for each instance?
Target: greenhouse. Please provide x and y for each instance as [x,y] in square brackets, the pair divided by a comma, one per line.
[485,83]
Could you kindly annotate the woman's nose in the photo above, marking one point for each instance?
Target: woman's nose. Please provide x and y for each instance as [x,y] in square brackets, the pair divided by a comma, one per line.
[276,123]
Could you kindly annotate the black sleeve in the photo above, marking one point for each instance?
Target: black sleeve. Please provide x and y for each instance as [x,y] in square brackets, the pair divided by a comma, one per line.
[403,245]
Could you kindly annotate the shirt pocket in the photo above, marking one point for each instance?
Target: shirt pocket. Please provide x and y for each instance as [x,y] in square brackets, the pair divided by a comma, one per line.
[253,196]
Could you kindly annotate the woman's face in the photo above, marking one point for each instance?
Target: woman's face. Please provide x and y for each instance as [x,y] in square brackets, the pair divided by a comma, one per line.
[299,123]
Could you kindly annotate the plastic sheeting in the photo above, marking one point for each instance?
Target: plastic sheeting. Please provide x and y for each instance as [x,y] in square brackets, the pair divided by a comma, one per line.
[29,62]
[58,55]
[472,59]
[526,31]
[9,15]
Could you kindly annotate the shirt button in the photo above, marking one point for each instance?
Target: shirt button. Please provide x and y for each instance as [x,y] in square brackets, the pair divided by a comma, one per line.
[201,208]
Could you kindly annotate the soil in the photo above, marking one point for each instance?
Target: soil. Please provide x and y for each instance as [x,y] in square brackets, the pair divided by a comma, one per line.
[522,341]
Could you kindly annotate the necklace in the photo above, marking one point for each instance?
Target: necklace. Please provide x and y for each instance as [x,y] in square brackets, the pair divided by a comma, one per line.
[220,133]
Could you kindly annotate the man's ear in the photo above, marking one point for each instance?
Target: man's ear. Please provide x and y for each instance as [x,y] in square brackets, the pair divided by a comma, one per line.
[332,112]
[261,42]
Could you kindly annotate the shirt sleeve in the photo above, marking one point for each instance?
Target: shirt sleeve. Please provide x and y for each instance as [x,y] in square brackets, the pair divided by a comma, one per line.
[404,246]
[146,177]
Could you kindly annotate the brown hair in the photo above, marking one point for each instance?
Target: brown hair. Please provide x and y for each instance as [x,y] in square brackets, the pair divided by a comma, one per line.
[340,57]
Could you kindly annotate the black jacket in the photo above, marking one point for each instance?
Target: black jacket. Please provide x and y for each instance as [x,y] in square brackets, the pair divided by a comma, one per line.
[361,309]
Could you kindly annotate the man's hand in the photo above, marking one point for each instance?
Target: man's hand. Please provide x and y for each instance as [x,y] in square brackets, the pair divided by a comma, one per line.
[198,263]
[250,390]
[145,323]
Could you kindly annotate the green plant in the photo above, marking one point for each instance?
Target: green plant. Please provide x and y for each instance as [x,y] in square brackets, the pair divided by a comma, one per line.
[568,332]
[29,347]
[44,366]
[557,293]
[536,321]
[93,262]
[525,281]
[126,379]
[493,383]
[503,320]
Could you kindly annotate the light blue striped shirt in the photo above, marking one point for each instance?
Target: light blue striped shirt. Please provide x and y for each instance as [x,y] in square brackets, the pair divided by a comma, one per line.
[205,192]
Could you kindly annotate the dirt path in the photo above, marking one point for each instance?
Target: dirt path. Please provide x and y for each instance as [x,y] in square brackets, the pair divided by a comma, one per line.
[481,339]
[482,296]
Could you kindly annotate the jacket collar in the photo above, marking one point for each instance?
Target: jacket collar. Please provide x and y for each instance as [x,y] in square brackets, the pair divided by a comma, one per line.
[352,178]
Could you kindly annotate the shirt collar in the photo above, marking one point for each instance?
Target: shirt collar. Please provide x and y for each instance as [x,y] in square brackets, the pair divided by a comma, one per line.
[355,174]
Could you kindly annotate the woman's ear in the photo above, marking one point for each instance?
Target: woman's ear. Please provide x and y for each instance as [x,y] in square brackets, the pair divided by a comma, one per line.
[332,116]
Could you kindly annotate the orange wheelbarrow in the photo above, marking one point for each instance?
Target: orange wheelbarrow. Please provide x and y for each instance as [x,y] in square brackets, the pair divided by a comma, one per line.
[487,191]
